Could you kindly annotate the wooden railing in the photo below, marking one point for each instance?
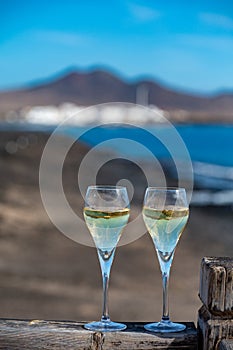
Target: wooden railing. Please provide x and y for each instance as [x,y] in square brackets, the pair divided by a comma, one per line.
[36,334]
[214,327]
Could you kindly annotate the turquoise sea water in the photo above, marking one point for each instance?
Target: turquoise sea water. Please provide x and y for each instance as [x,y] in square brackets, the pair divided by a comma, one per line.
[210,148]
[205,143]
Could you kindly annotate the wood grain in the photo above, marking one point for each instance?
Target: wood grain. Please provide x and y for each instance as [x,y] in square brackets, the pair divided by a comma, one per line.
[39,334]
[226,345]
[216,285]
[212,329]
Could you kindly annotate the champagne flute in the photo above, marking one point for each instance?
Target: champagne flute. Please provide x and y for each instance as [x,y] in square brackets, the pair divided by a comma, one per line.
[106,213]
[165,214]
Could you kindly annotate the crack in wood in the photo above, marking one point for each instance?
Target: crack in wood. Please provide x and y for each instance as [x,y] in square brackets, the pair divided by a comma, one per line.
[97,341]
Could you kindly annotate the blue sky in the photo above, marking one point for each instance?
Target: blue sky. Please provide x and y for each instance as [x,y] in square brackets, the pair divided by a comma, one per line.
[183,44]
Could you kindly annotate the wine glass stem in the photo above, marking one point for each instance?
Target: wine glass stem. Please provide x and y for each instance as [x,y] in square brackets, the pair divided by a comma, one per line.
[105,260]
[165,280]
[105,315]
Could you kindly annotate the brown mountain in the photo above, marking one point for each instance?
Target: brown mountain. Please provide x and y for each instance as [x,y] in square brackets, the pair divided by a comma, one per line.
[99,86]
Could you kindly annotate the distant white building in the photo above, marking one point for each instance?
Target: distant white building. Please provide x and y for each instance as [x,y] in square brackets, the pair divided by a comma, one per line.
[105,113]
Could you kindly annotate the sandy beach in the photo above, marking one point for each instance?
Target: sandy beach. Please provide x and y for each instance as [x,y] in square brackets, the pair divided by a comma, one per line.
[45,275]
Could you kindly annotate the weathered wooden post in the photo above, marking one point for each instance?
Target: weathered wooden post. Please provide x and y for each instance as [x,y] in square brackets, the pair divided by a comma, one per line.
[215,318]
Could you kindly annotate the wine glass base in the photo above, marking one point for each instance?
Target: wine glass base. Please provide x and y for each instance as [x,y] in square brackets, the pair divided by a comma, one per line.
[165,327]
[108,326]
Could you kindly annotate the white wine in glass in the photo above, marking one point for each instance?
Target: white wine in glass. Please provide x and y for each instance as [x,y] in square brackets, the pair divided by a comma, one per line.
[165,213]
[106,213]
